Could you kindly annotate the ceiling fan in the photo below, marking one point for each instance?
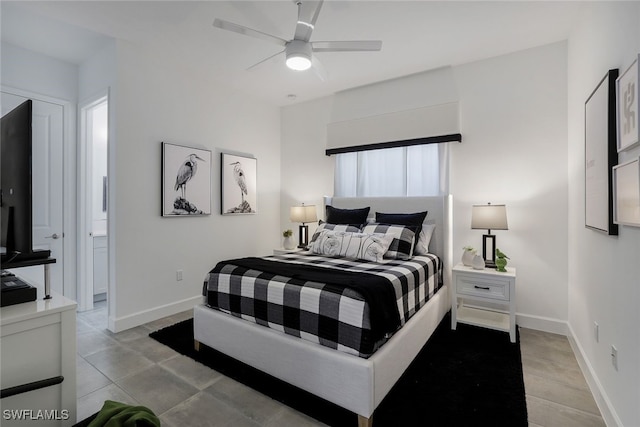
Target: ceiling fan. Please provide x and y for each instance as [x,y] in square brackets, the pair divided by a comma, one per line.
[299,51]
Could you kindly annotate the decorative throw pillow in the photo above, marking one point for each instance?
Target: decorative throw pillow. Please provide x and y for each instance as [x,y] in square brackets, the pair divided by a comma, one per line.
[401,246]
[355,217]
[423,231]
[368,247]
[422,245]
[335,227]
[410,219]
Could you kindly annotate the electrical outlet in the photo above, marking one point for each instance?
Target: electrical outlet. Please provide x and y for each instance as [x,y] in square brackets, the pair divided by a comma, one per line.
[178,275]
[596,331]
[614,357]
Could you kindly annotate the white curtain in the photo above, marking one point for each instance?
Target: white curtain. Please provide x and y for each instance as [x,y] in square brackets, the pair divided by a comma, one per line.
[418,170]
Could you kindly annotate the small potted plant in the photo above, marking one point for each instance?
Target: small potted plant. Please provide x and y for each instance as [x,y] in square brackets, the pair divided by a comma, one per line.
[288,242]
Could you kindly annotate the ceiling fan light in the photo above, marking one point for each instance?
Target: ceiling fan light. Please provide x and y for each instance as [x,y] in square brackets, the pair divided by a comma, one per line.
[298,54]
[298,62]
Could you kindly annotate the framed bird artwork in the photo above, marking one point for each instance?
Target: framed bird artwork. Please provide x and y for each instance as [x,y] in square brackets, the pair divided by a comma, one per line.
[186,180]
[239,184]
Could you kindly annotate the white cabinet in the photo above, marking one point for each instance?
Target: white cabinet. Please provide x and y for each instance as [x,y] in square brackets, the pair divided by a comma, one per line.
[38,345]
[99,265]
[488,287]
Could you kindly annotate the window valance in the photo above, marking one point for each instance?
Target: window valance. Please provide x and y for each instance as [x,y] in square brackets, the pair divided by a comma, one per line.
[426,125]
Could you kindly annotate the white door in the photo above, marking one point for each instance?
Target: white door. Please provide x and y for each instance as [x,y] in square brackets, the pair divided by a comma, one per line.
[47,183]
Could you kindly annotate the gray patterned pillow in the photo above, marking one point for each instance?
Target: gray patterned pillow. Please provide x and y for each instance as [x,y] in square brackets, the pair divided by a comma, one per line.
[403,239]
[336,227]
[368,247]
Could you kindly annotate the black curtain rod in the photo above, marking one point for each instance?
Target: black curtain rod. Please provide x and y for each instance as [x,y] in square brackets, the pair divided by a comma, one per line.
[455,137]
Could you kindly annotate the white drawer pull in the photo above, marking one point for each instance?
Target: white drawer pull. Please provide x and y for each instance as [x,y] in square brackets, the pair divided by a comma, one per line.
[482,287]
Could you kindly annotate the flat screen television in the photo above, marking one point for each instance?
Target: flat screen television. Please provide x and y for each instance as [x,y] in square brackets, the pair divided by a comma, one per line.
[15,183]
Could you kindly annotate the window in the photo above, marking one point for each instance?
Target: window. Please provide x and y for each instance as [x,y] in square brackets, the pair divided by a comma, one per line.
[417,170]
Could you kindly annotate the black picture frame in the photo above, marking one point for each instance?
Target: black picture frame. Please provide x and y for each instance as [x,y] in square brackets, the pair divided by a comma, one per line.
[601,155]
[185,168]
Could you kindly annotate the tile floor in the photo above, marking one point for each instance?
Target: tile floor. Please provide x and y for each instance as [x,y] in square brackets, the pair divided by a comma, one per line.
[130,367]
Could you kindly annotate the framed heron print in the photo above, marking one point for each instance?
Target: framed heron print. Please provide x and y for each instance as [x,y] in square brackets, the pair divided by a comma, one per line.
[186,180]
[238,184]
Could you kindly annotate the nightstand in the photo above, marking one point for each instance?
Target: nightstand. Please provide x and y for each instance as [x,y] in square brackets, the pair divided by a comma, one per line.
[282,251]
[484,286]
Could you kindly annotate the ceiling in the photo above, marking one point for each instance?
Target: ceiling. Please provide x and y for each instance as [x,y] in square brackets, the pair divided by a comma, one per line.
[416,35]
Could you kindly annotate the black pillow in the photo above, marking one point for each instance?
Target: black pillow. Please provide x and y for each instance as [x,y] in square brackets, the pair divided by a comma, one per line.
[355,217]
[412,220]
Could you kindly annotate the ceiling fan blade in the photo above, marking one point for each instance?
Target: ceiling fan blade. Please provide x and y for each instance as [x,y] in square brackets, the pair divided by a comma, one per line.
[347,46]
[254,66]
[230,26]
[308,12]
[319,69]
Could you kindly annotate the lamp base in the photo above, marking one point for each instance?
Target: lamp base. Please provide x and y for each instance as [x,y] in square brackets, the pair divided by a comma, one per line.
[303,232]
[489,264]
[489,250]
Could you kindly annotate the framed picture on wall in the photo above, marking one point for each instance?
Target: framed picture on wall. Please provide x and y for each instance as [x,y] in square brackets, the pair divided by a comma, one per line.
[186,180]
[628,91]
[238,184]
[600,155]
[626,184]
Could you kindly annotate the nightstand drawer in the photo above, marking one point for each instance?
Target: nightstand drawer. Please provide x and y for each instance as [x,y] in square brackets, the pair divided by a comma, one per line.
[480,287]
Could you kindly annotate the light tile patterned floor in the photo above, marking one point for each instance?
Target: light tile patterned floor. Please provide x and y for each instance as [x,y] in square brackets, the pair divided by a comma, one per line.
[132,368]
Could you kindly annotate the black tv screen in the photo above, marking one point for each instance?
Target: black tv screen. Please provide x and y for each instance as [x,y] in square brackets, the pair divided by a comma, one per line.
[15,180]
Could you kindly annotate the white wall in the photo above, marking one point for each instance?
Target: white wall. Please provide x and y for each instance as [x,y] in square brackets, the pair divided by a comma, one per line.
[513,118]
[307,173]
[604,271]
[41,74]
[162,101]
[514,151]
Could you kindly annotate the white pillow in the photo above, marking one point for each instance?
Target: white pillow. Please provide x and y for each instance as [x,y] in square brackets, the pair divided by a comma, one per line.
[422,246]
[369,247]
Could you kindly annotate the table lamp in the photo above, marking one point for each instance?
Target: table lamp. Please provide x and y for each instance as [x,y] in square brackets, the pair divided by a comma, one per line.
[489,217]
[303,214]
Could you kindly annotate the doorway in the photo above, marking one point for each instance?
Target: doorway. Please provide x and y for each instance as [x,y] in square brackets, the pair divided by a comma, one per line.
[93,212]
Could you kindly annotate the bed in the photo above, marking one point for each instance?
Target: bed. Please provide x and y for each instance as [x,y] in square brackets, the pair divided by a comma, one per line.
[355,376]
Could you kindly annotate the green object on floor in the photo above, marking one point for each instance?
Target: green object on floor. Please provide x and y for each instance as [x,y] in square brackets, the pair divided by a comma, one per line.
[116,414]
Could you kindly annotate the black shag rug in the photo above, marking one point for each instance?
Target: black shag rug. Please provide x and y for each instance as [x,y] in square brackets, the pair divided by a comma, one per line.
[468,377]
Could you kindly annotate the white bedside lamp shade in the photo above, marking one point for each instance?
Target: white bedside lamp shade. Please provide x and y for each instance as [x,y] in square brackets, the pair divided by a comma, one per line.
[489,217]
[303,214]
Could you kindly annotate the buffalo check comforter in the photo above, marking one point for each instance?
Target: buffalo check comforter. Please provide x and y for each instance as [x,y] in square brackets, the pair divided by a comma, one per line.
[349,305]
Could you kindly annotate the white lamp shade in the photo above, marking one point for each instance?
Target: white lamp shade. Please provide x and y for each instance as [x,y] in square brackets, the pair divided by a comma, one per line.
[489,217]
[303,214]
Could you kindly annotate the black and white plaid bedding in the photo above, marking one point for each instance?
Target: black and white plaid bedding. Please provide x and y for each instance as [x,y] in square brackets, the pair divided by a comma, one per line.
[339,319]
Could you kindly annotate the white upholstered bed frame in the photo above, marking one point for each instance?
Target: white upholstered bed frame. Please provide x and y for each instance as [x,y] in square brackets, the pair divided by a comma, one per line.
[352,382]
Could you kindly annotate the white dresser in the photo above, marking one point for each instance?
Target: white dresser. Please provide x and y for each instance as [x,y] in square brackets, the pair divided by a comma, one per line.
[38,345]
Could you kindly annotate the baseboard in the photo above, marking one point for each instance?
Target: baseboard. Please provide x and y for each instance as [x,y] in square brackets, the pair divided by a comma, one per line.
[607,411]
[136,319]
[540,323]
